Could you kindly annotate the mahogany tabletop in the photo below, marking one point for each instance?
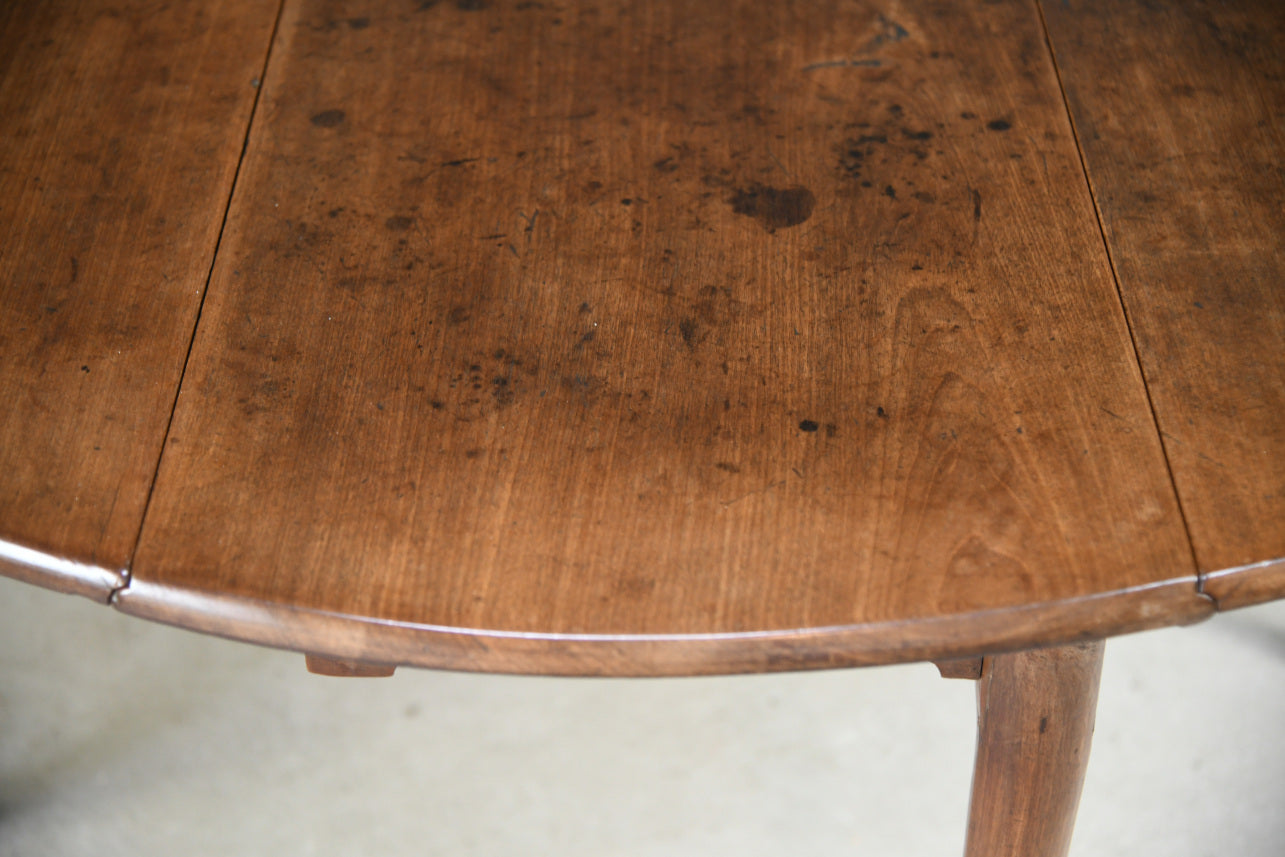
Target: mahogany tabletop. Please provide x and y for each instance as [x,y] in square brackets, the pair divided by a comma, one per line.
[645,337]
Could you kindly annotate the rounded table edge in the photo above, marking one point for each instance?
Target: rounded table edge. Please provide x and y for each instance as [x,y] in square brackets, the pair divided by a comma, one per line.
[376,641]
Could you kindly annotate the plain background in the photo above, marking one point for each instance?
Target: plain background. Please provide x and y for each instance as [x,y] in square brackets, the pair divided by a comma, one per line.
[121,737]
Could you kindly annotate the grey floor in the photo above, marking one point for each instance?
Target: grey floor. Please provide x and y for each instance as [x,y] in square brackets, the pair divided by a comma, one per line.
[119,737]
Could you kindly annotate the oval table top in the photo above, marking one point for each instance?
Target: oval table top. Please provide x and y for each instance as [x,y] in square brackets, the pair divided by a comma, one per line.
[644,338]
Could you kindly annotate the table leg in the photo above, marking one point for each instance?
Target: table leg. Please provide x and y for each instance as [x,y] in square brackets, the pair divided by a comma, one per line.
[1035,722]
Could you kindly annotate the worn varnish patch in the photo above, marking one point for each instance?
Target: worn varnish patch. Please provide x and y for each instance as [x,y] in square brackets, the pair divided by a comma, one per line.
[602,320]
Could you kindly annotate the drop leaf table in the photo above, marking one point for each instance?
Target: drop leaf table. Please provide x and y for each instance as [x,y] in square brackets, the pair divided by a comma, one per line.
[655,337]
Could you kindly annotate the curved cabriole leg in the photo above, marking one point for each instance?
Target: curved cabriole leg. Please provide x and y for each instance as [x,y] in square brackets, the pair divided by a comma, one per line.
[1035,722]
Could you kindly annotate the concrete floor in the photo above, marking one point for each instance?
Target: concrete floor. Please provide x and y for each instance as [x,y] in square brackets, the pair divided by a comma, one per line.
[119,737]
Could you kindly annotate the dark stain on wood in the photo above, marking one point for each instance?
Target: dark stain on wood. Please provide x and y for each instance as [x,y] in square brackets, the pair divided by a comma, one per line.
[855,151]
[689,329]
[328,118]
[775,208]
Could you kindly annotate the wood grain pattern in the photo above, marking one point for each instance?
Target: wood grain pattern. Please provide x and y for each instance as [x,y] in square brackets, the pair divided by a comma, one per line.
[120,128]
[1180,109]
[618,326]
[1035,725]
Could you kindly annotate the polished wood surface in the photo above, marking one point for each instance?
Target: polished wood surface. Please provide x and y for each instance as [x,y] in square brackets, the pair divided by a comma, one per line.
[652,337]
[747,330]
[120,130]
[639,338]
[1183,141]
[1246,585]
[339,636]
[1035,726]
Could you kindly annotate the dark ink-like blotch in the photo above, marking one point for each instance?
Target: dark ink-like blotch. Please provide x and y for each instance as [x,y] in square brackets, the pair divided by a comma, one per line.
[328,118]
[689,330]
[775,208]
[809,425]
[999,124]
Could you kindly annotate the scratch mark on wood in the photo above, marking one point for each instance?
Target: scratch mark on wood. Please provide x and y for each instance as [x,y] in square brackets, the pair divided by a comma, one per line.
[776,161]
[766,488]
[844,63]
[890,32]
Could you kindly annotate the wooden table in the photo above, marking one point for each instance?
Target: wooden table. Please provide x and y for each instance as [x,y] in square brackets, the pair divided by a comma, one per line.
[655,338]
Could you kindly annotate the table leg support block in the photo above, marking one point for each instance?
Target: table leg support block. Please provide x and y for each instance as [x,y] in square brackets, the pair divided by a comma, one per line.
[968,668]
[1035,724]
[343,668]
